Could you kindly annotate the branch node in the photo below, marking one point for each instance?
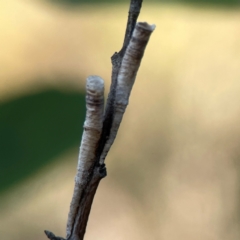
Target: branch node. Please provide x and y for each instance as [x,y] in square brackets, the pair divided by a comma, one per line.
[116,59]
[102,170]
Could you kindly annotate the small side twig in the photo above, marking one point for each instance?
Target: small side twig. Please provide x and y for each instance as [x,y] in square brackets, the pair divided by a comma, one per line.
[51,236]
[100,132]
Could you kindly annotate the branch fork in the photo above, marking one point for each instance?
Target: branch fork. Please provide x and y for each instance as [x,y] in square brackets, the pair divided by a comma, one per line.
[101,127]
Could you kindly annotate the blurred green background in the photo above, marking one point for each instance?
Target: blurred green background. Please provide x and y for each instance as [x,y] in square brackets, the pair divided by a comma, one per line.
[173,172]
[33,130]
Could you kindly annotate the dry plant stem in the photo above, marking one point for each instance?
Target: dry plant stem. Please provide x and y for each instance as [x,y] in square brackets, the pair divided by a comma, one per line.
[51,236]
[99,133]
[99,172]
[90,139]
[134,10]
[126,78]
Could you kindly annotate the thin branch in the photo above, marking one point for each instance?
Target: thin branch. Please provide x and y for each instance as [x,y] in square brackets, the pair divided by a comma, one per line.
[51,236]
[99,133]
[90,139]
[134,10]
[86,203]
[126,78]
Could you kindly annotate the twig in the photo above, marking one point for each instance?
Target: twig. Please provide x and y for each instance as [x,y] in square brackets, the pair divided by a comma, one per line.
[51,236]
[91,135]
[126,78]
[99,133]
[134,10]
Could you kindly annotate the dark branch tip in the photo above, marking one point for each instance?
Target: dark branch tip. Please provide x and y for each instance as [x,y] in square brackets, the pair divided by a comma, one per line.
[51,236]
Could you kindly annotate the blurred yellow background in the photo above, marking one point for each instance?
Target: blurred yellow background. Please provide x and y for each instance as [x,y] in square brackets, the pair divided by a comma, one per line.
[173,172]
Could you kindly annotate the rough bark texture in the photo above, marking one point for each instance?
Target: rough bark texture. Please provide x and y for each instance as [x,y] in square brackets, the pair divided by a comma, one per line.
[100,132]
[91,135]
[126,78]
[134,10]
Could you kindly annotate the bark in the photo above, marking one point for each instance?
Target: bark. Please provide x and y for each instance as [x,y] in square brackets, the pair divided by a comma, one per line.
[100,131]
[87,155]
[126,78]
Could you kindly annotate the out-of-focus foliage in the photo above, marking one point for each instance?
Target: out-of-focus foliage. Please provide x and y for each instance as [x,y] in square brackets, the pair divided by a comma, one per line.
[175,162]
[36,128]
[212,2]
